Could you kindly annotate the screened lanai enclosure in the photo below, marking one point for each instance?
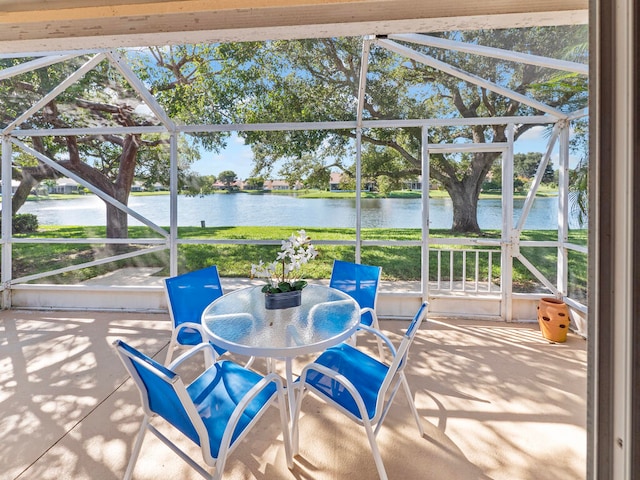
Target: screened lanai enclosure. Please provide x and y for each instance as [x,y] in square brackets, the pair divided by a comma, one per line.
[425,130]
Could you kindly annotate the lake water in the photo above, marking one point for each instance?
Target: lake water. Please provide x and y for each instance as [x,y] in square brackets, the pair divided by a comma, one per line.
[282,210]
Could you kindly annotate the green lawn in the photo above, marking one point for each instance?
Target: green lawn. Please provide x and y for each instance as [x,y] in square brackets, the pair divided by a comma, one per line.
[398,262]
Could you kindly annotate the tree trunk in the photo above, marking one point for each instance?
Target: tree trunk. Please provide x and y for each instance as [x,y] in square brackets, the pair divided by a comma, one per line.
[465,191]
[119,189]
[22,192]
[117,222]
[30,177]
[465,208]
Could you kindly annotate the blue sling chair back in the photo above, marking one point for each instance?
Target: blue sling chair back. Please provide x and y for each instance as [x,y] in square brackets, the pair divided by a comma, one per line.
[187,297]
[361,386]
[361,282]
[216,411]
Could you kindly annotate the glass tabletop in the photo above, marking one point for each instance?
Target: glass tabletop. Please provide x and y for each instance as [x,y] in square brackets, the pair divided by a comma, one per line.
[239,322]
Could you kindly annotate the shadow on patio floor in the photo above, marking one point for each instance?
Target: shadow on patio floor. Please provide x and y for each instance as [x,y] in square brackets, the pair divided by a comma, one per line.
[497,402]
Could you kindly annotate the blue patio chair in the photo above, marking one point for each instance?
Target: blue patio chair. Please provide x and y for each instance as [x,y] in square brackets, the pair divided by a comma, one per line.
[216,411]
[187,296]
[359,385]
[361,282]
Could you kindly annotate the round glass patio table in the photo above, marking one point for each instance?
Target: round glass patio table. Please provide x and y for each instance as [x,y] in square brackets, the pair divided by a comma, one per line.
[239,323]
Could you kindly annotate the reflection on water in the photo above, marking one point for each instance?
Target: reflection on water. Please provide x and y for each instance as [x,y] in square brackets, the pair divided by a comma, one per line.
[247,210]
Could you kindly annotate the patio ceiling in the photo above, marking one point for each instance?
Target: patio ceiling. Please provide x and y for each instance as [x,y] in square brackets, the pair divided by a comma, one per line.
[40,26]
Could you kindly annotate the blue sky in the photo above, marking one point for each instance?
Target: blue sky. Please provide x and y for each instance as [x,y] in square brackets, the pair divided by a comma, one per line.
[536,140]
[238,157]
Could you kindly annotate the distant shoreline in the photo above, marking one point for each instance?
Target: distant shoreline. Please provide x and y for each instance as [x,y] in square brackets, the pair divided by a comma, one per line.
[311,193]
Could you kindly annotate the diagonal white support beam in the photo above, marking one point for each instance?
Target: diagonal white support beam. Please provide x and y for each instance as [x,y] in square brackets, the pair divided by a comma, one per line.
[537,180]
[62,86]
[493,52]
[537,273]
[468,77]
[578,114]
[116,59]
[56,166]
[101,261]
[33,65]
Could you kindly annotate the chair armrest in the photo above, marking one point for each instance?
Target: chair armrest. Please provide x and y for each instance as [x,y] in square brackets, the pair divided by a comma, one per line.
[193,325]
[374,315]
[379,334]
[370,310]
[244,402]
[205,347]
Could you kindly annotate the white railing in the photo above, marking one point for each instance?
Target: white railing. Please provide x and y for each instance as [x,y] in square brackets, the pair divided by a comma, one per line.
[466,270]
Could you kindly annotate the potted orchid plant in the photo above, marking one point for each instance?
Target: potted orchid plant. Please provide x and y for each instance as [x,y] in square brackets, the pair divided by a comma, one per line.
[283,274]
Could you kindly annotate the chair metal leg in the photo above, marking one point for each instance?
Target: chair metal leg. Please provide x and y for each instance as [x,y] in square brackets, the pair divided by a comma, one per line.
[377,458]
[412,405]
[210,357]
[269,364]
[172,346]
[286,428]
[136,448]
[295,426]
[249,362]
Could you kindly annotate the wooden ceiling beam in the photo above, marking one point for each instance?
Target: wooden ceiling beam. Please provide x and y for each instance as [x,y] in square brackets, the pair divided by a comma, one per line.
[35,26]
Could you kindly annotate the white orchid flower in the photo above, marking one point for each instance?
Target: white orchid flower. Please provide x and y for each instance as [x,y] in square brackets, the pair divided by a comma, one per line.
[294,252]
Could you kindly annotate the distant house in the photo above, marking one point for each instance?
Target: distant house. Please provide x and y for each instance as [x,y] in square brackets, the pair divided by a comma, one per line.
[14,186]
[64,186]
[276,185]
[416,184]
[337,177]
[334,180]
[223,186]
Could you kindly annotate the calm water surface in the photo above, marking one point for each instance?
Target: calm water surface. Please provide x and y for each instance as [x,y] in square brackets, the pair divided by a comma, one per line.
[263,210]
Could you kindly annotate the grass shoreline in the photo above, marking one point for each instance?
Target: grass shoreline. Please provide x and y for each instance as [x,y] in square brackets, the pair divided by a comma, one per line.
[398,262]
[307,193]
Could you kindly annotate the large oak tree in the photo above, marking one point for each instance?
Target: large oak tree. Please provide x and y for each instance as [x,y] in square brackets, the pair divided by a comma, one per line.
[317,80]
[103,98]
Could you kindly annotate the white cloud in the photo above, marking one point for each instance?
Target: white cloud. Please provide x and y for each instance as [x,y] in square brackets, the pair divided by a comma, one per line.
[536,133]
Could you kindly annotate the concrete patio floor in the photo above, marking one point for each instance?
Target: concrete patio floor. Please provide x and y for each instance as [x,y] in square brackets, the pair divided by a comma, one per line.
[497,401]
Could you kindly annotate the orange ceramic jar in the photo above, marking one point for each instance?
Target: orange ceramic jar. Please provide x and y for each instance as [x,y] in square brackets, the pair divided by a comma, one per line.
[553,317]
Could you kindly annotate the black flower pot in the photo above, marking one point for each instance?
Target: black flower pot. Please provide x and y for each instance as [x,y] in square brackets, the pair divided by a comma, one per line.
[276,301]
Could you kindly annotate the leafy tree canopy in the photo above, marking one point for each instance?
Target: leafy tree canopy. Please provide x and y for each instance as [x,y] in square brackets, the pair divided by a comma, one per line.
[525,165]
[295,81]
[228,177]
[317,80]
